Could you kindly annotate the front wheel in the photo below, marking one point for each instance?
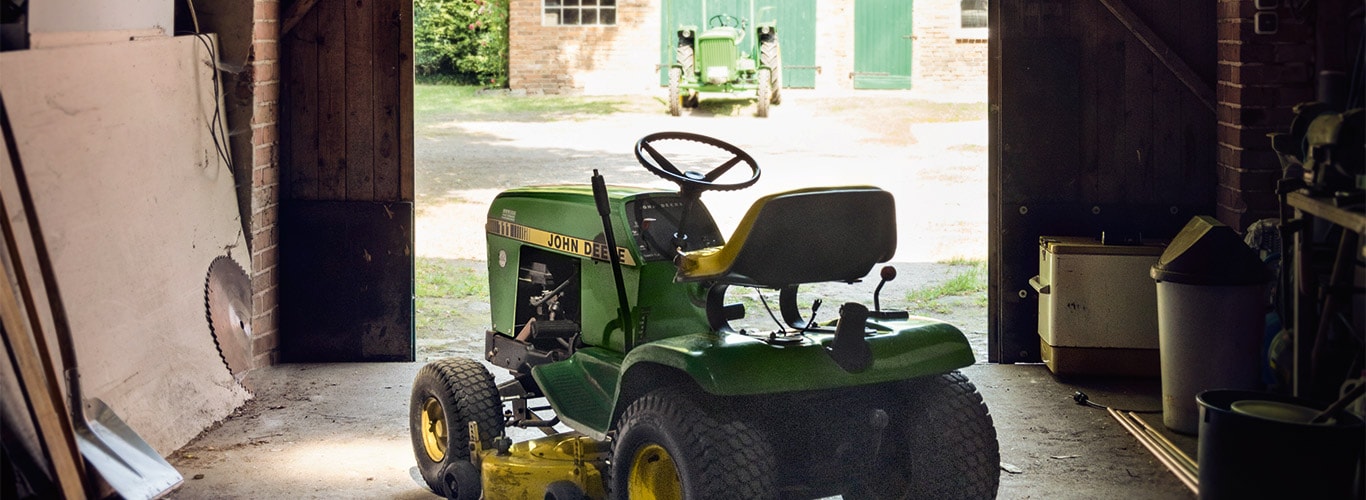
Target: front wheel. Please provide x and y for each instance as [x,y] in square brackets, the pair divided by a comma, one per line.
[947,448]
[675,99]
[765,91]
[447,396]
[674,444]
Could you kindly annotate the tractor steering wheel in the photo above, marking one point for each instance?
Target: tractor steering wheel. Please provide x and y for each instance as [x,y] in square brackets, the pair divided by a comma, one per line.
[725,20]
[693,182]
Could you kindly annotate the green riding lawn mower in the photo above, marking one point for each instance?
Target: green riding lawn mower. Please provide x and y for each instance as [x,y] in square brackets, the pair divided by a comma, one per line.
[610,303]
[714,60]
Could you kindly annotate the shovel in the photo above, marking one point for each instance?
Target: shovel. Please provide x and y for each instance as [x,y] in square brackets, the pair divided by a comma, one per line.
[131,467]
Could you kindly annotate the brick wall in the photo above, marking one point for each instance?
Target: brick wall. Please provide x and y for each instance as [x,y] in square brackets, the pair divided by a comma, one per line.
[945,55]
[834,44]
[264,63]
[1260,78]
[617,59]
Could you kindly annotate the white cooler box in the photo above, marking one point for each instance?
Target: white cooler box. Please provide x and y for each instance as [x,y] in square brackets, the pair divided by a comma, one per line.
[1097,307]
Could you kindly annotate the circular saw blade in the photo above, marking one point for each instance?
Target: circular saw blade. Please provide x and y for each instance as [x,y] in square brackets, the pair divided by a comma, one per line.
[227,304]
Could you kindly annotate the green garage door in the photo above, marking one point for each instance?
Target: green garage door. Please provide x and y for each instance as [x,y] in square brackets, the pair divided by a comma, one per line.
[796,31]
[882,44]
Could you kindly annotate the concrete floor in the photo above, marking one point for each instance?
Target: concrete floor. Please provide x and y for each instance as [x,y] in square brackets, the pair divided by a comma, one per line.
[340,431]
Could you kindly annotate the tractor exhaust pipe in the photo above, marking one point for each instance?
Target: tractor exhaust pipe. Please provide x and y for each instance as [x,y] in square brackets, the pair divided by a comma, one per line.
[604,210]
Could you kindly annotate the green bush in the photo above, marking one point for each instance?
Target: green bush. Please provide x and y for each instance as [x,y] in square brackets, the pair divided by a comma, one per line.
[463,40]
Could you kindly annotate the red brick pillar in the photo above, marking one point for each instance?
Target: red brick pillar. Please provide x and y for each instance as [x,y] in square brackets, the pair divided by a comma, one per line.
[1261,77]
[265,180]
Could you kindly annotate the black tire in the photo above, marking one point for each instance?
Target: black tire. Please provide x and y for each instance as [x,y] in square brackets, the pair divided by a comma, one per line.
[771,56]
[690,100]
[714,454]
[564,490]
[461,481]
[684,55]
[944,447]
[765,91]
[675,100]
[447,396]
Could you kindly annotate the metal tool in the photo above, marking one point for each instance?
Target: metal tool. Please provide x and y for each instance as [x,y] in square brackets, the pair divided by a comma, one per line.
[227,304]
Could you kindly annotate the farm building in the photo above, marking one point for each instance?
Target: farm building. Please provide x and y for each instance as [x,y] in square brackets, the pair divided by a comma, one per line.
[619,46]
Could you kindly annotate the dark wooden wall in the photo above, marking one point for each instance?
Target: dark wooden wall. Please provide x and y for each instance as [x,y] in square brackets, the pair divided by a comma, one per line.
[345,69]
[346,159]
[1091,132]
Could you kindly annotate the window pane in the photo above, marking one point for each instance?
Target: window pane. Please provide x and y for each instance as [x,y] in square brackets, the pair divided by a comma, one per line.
[570,17]
[974,13]
[552,3]
[552,17]
[607,2]
[608,17]
[571,2]
[589,2]
[590,16]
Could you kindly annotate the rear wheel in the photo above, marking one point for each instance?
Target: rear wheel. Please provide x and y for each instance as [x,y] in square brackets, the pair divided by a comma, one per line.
[683,54]
[765,91]
[674,444]
[771,56]
[947,448]
[447,396]
[675,99]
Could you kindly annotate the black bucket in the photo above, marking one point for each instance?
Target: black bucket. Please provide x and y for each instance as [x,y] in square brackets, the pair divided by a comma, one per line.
[1246,453]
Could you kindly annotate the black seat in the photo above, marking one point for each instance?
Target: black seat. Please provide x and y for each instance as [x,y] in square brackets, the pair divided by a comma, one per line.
[803,236]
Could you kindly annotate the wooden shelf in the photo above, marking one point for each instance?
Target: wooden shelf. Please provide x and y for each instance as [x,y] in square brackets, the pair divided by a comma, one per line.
[1323,209]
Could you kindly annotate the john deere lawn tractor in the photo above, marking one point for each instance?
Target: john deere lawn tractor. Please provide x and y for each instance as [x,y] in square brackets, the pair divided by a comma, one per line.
[714,60]
[611,304]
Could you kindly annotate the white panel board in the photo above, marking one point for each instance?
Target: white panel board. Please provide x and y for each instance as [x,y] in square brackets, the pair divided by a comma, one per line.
[134,203]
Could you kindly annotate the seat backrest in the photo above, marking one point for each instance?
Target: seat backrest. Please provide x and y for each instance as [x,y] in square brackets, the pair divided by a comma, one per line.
[813,235]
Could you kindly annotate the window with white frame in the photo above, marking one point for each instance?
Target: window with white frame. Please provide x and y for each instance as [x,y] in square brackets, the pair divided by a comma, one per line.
[579,12]
[974,14]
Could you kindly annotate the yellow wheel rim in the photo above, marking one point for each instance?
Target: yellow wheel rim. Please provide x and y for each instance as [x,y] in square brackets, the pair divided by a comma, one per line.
[653,475]
[434,433]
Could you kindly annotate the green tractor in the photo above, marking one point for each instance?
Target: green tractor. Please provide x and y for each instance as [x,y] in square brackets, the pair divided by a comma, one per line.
[610,303]
[715,61]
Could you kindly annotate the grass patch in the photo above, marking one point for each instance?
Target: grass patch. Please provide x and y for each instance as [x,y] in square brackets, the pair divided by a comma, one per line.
[970,277]
[466,102]
[440,278]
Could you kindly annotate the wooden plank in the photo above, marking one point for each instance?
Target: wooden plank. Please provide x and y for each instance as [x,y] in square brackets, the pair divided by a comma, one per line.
[1165,55]
[360,100]
[388,36]
[405,100]
[301,127]
[295,14]
[332,161]
[34,368]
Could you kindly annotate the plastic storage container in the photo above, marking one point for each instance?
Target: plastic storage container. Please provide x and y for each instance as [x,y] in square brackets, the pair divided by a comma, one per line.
[1211,308]
[1097,306]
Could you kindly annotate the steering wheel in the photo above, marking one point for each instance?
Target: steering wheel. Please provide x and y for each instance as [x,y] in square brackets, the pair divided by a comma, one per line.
[693,182]
[726,20]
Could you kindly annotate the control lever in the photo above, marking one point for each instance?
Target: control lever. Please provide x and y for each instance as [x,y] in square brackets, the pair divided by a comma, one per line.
[888,273]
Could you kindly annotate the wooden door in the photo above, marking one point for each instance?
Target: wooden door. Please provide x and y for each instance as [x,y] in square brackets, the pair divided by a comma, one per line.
[346,216]
[882,44]
[1092,131]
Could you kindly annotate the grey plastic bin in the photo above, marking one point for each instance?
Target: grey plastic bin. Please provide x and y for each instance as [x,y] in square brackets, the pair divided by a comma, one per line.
[1210,314]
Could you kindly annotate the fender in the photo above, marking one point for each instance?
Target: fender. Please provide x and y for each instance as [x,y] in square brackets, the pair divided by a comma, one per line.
[584,390]
[734,365]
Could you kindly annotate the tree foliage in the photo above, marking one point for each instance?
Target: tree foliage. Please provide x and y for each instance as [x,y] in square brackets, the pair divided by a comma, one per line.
[464,40]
